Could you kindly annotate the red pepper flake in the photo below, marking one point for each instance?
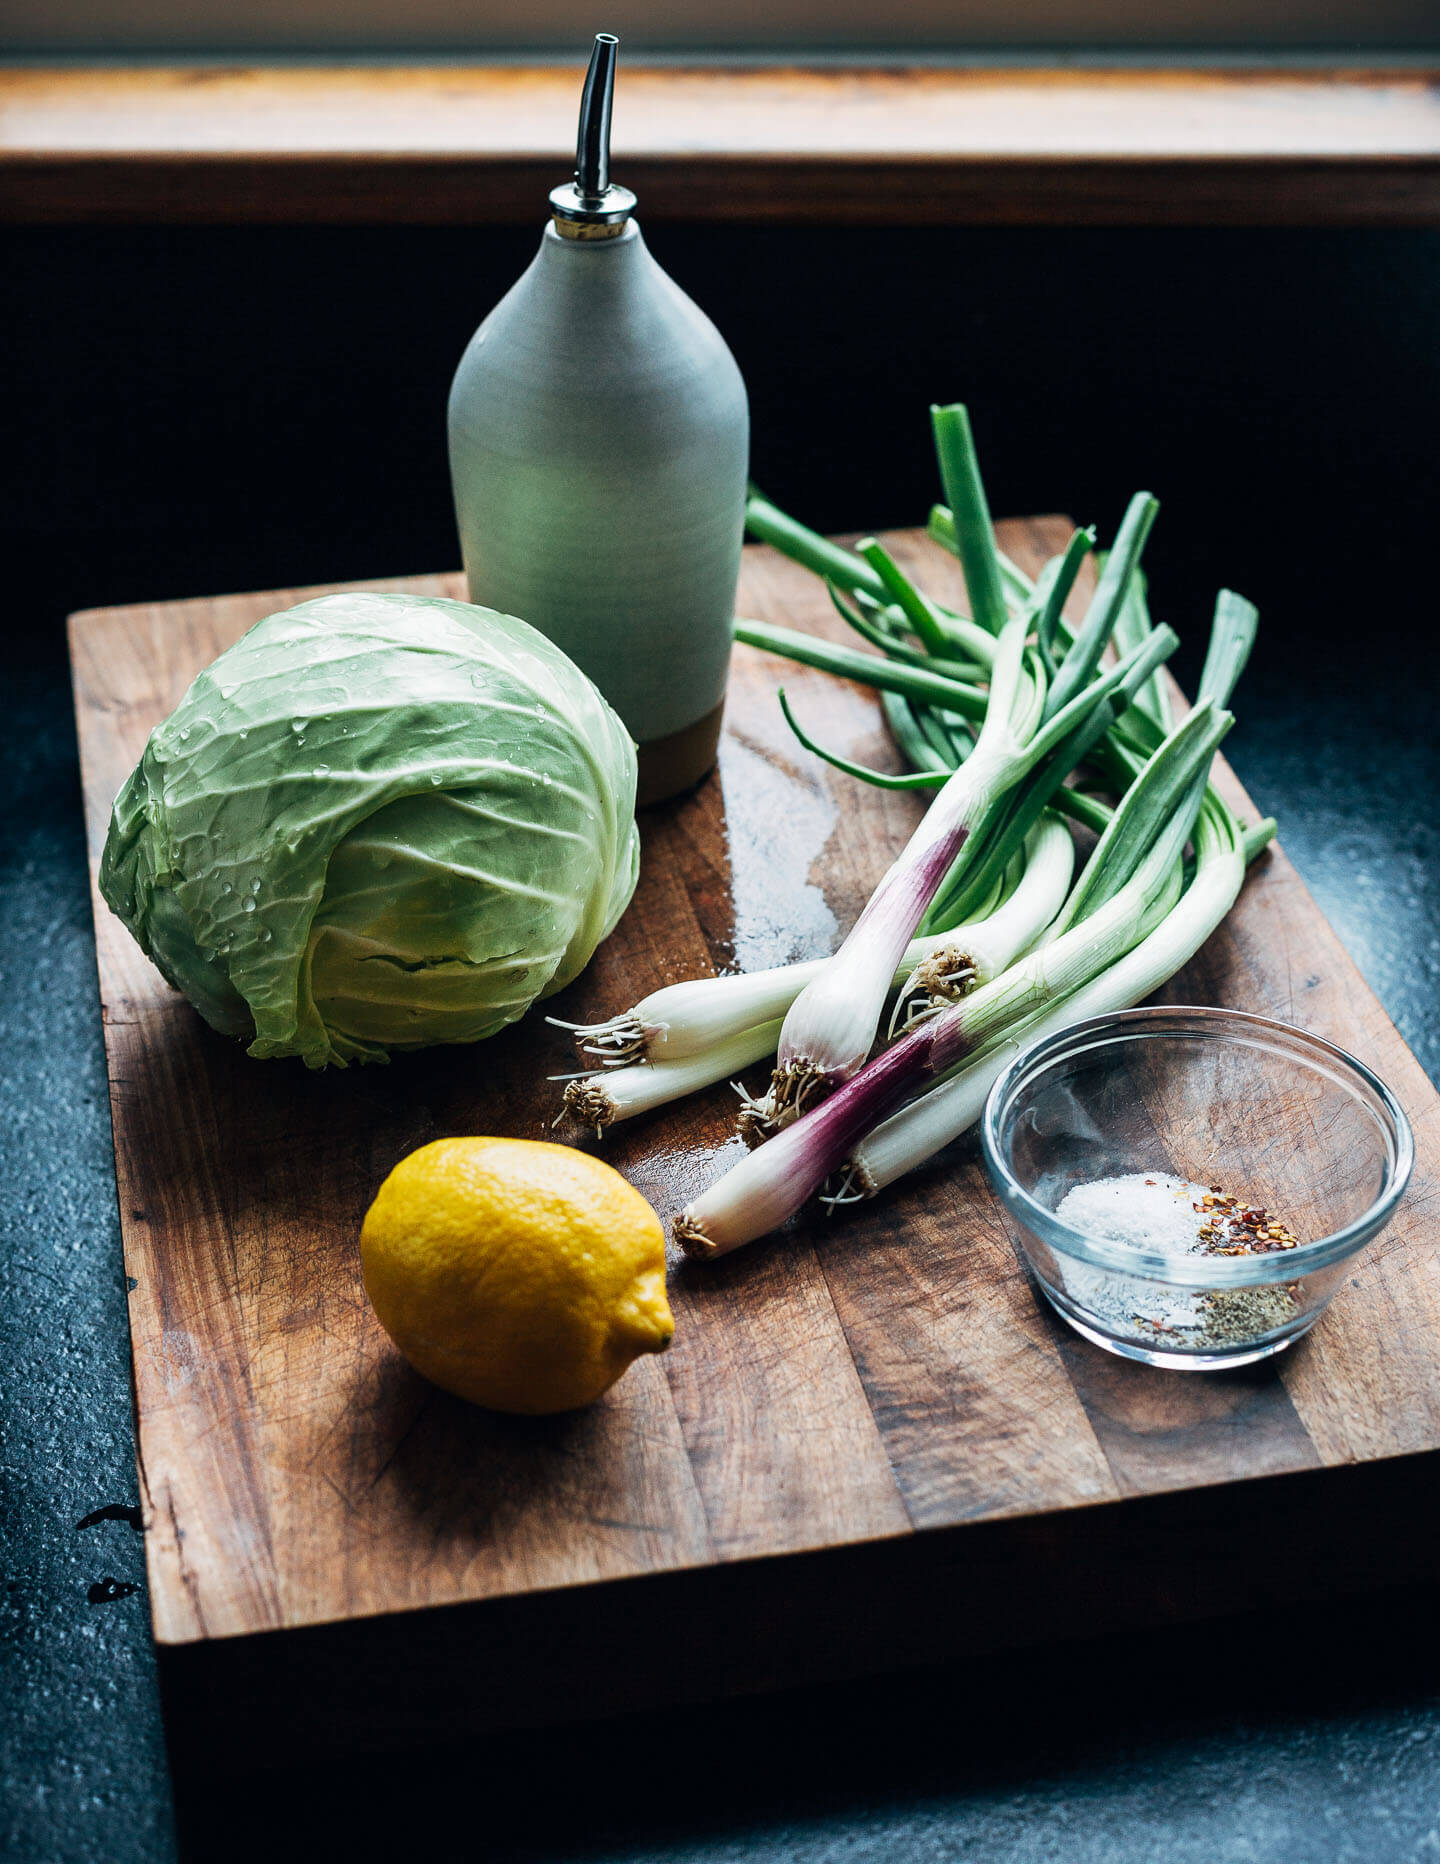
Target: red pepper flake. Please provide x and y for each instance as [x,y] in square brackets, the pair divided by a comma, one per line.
[1232,1228]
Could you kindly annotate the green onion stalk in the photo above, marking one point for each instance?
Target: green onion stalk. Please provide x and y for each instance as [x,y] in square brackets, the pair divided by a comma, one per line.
[688,1036]
[830,1028]
[933,740]
[1007,898]
[918,1131]
[1147,839]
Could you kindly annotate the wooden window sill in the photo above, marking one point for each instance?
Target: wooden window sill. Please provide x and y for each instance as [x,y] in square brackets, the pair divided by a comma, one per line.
[477,144]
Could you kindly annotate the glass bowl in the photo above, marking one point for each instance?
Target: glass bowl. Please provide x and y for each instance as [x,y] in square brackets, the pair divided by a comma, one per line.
[1248,1108]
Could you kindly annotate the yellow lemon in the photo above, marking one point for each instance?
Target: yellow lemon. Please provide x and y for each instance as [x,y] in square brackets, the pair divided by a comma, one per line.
[522,1276]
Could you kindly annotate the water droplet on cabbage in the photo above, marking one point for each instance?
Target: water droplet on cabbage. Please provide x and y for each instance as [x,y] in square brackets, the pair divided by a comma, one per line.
[255,884]
[298,724]
[250,904]
[322,770]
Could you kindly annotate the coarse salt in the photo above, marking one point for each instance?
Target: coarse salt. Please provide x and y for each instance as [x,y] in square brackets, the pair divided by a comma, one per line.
[1147,1210]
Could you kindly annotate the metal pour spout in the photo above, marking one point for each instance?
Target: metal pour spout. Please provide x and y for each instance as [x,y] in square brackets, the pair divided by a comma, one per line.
[592,206]
[592,146]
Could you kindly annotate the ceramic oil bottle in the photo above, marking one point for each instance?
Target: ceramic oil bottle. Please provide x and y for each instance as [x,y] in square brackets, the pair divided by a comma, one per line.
[599,440]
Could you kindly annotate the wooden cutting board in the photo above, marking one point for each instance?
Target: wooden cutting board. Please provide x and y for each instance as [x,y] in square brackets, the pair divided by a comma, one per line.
[870,1445]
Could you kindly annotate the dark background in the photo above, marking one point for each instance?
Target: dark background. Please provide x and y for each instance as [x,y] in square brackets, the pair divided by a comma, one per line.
[198,410]
[187,412]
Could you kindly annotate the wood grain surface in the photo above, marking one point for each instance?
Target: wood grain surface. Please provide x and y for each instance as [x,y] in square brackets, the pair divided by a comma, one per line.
[885,1380]
[484,144]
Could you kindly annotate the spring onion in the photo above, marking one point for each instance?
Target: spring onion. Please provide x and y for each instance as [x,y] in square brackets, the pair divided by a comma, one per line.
[772,1183]
[599,1100]
[687,1036]
[829,1029]
[914,1134]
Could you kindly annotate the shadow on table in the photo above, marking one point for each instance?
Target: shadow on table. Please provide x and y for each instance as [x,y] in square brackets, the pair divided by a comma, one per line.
[1277,1736]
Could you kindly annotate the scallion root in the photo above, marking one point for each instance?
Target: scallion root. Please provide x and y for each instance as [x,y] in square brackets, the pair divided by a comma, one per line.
[590,1102]
[852,1184]
[944,977]
[692,1237]
[613,1044]
[793,1089]
[754,1122]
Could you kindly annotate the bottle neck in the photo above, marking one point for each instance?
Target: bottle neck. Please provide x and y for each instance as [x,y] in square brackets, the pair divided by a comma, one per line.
[587,229]
[578,215]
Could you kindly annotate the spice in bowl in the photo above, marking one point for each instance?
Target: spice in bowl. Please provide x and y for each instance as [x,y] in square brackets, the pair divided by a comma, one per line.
[1165,1215]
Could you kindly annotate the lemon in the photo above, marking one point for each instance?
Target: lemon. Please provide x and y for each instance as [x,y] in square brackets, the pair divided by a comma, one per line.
[520,1275]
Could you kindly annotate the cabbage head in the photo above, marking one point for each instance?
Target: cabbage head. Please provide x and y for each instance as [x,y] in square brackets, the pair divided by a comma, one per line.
[376,822]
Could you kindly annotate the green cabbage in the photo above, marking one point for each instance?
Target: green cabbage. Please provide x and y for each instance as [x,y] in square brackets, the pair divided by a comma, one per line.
[376,822]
